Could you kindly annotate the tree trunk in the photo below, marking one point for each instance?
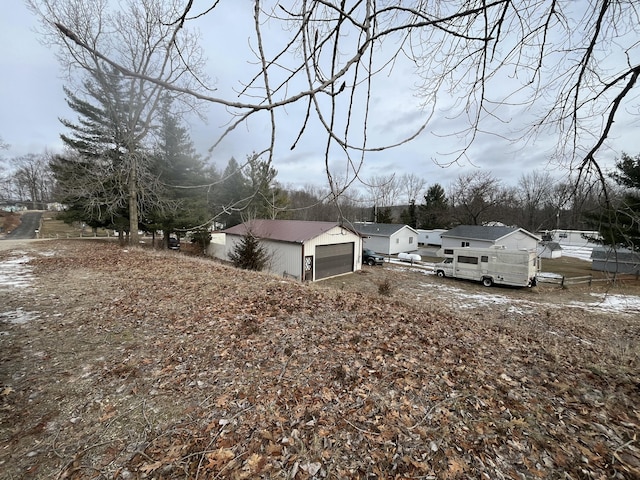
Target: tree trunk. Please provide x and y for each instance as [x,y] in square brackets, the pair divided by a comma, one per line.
[134,239]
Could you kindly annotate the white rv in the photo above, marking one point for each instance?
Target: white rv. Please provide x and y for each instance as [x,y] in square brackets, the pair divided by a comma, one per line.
[490,266]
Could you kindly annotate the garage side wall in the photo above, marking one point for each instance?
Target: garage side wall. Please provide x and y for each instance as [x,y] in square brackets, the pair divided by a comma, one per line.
[285,259]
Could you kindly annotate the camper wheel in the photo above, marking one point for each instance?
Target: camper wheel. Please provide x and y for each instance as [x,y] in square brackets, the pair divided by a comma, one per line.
[440,273]
[487,281]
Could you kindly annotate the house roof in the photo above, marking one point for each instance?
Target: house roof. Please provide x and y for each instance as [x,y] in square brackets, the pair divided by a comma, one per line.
[621,255]
[380,229]
[293,231]
[481,232]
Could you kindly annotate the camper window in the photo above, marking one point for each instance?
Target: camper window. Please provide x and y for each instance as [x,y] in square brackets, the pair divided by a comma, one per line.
[463,259]
[484,258]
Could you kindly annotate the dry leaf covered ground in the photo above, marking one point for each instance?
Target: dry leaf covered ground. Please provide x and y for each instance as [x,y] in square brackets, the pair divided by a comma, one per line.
[131,363]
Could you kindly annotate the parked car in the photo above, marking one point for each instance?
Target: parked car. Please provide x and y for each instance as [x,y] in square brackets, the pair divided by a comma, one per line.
[174,243]
[371,258]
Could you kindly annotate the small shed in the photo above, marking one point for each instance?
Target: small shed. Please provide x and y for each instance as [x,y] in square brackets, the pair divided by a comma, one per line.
[620,260]
[304,250]
[388,238]
[549,250]
[480,236]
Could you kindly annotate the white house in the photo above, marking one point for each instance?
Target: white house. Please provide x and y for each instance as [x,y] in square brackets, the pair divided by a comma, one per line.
[572,238]
[303,250]
[388,238]
[430,237]
[480,236]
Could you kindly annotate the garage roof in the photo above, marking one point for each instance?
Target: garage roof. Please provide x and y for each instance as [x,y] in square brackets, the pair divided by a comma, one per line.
[294,231]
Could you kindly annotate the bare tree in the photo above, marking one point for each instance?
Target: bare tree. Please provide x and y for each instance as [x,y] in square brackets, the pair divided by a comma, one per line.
[487,62]
[153,54]
[534,192]
[412,186]
[32,179]
[477,198]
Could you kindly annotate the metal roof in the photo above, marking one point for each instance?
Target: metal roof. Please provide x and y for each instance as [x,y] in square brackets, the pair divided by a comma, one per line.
[379,229]
[481,232]
[293,231]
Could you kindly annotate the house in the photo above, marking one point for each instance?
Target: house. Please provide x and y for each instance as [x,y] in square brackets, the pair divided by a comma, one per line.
[303,250]
[430,237]
[388,238]
[572,238]
[621,260]
[480,236]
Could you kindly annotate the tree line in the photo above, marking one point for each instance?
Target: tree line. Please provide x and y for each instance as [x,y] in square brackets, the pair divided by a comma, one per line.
[183,193]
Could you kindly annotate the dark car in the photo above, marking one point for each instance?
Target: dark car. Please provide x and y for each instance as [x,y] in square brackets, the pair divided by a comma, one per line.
[174,243]
[371,258]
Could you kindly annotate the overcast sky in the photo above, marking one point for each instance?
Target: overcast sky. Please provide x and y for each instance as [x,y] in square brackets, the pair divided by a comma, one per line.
[32,100]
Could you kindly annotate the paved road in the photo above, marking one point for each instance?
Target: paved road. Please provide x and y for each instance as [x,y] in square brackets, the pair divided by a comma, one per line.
[27,228]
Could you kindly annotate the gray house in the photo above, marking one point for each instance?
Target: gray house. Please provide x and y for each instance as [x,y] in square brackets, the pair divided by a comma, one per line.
[303,250]
[621,260]
[388,238]
[480,236]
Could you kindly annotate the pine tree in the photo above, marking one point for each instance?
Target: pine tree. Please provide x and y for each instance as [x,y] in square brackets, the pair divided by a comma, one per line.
[249,254]
[183,178]
[107,176]
[434,212]
[619,222]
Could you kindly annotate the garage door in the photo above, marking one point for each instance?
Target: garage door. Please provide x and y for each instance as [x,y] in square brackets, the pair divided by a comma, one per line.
[334,259]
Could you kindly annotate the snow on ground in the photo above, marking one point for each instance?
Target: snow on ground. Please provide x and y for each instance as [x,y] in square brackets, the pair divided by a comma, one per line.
[463,299]
[15,273]
[583,253]
[16,277]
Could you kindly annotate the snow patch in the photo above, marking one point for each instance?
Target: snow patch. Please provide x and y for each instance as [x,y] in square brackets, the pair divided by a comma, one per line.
[15,272]
[19,316]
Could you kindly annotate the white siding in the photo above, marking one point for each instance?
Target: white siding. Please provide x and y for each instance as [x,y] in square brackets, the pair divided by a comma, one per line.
[404,240]
[518,241]
[377,244]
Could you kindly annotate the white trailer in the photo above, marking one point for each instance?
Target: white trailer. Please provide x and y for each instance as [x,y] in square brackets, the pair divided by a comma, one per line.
[491,266]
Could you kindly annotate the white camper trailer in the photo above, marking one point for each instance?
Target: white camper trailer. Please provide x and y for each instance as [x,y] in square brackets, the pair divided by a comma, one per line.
[491,266]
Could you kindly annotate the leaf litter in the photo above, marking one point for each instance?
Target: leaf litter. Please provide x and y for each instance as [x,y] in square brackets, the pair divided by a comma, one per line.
[146,364]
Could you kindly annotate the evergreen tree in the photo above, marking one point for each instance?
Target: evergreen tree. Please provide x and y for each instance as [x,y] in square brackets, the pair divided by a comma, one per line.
[249,254]
[268,199]
[409,215]
[234,196]
[108,177]
[619,222]
[183,178]
[434,212]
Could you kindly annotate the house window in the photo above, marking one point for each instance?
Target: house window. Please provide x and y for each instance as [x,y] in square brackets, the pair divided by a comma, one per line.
[448,251]
[410,240]
[397,240]
[464,244]
[464,259]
